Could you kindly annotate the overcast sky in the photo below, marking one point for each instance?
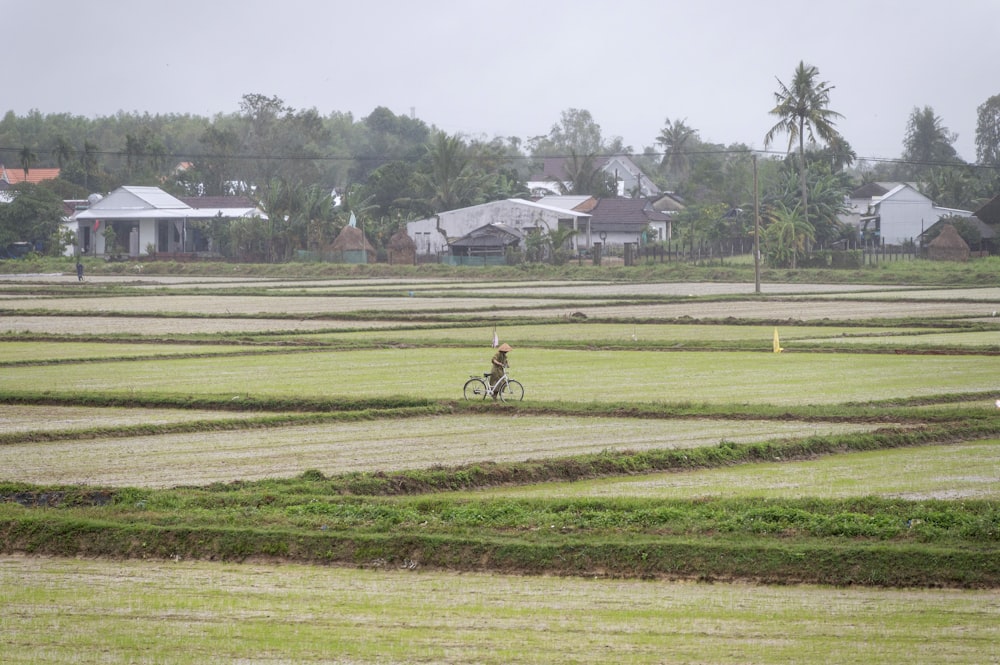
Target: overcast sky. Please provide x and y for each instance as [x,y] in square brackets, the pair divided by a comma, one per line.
[511,68]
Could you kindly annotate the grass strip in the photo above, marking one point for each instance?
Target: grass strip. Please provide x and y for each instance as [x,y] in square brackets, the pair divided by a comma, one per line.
[209,402]
[846,563]
[892,410]
[619,463]
[209,425]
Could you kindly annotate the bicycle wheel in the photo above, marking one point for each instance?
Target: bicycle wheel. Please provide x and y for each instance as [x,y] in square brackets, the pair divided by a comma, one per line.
[474,389]
[512,391]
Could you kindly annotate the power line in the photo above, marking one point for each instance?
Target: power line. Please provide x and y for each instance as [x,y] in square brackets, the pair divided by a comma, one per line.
[513,158]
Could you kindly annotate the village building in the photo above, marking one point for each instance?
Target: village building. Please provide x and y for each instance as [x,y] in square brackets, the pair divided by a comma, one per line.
[148,220]
[433,235]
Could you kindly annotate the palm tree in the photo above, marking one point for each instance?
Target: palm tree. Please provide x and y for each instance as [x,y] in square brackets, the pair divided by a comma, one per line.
[63,151]
[450,177]
[586,176]
[927,142]
[674,137]
[787,235]
[557,239]
[28,159]
[803,112]
[135,148]
[88,159]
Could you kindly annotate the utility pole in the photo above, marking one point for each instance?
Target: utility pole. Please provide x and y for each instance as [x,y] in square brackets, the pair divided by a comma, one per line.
[756,229]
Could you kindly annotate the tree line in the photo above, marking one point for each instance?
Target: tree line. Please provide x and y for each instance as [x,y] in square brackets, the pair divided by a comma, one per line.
[310,171]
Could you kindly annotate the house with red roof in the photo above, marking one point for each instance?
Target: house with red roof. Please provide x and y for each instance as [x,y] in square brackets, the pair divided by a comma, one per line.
[14,176]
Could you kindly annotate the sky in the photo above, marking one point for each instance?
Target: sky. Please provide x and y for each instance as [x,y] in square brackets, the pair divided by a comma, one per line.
[485,69]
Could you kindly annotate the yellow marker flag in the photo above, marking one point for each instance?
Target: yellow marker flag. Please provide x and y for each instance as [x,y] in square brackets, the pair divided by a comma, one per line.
[777,344]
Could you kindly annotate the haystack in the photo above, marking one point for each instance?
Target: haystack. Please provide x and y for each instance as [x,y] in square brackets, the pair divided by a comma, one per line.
[948,246]
[351,239]
[402,249]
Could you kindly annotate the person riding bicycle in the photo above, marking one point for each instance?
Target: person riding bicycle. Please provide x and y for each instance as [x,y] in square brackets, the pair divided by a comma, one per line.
[499,363]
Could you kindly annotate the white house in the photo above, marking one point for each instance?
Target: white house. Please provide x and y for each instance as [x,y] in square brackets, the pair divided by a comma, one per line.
[898,212]
[147,218]
[431,235]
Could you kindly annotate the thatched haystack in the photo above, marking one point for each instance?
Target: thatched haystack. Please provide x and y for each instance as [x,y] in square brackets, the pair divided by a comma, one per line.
[351,239]
[352,246]
[948,246]
[402,249]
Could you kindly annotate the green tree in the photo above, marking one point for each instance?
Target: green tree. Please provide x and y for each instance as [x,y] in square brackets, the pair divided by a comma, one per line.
[838,154]
[585,176]
[550,244]
[63,151]
[676,138]
[280,200]
[383,137]
[787,234]
[261,116]
[803,109]
[310,219]
[135,148]
[451,179]
[217,167]
[558,241]
[249,238]
[988,132]
[827,197]
[89,161]
[695,225]
[927,143]
[27,158]
[34,215]
[576,132]
[392,189]
[110,239]
[952,187]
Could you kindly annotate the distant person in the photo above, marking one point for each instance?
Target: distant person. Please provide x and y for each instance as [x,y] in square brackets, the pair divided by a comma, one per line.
[499,364]
[79,271]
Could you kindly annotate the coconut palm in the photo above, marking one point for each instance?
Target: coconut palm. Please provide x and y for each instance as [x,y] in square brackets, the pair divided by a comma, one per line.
[28,159]
[675,137]
[88,159]
[803,110]
[135,148]
[585,175]
[451,179]
[928,142]
[63,151]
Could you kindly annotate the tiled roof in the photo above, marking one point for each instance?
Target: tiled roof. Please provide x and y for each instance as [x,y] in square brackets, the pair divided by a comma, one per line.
[16,175]
[869,190]
[554,168]
[990,213]
[200,202]
[625,211]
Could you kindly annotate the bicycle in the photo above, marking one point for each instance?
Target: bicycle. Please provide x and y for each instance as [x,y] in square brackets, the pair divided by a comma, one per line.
[506,388]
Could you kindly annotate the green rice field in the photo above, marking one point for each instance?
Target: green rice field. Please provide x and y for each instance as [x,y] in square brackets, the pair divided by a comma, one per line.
[227,469]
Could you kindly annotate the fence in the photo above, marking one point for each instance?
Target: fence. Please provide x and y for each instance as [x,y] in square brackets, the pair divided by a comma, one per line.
[348,256]
[884,254]
[450,260]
